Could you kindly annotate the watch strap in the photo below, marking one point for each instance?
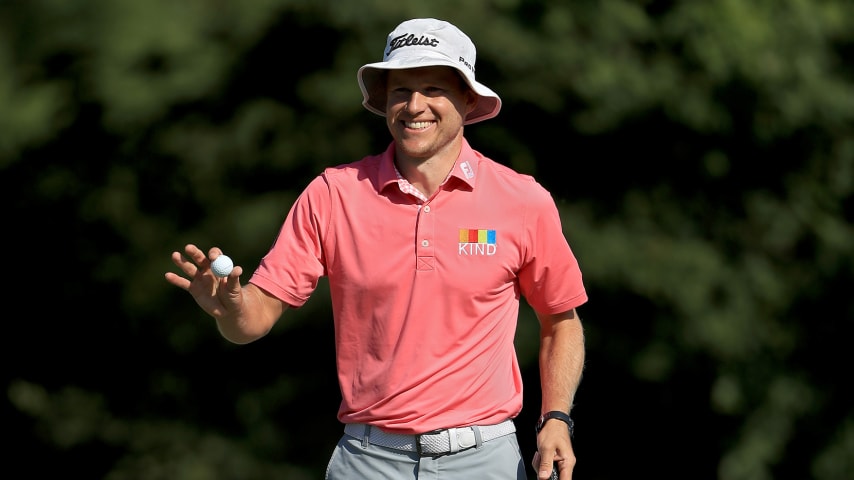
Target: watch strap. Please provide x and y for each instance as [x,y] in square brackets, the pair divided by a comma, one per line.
[556,414]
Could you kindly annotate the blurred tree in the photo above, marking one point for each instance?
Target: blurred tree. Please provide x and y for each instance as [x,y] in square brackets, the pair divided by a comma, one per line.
[702,154]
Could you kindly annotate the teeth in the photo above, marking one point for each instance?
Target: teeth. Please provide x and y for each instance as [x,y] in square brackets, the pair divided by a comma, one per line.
[417,125]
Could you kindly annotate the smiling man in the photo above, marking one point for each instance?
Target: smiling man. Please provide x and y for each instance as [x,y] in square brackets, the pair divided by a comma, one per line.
[428,247]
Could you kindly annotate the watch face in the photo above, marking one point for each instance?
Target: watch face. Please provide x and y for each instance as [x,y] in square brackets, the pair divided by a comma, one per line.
[540,422]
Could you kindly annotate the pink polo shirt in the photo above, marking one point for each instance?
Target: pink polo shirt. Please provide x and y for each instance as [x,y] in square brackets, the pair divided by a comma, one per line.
[425,296]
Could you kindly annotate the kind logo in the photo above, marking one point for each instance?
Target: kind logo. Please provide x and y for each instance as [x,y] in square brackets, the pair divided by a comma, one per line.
[476,242]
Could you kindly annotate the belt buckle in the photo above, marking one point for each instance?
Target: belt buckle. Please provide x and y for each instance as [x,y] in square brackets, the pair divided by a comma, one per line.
[457,439]
[465,438]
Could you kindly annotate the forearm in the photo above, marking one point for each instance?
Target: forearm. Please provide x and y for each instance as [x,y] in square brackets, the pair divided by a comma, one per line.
[254,317]
[561,360]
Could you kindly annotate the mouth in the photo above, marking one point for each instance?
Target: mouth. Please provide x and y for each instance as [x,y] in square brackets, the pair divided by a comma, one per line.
[418,125]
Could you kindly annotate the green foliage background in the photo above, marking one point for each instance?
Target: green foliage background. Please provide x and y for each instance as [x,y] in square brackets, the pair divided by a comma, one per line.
[702,154]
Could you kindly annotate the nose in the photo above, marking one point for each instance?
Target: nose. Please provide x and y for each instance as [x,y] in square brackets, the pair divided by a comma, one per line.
[415,103]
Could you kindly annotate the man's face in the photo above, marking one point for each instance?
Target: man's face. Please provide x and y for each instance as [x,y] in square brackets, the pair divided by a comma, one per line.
[426,108]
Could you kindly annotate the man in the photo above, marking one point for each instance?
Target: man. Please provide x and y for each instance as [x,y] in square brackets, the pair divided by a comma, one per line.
[427,248]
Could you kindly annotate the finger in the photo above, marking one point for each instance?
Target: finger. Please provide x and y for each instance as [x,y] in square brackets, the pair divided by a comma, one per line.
[186,265]
[232,281]
[195,254]
[178,280]
[232,285]
[214,252]
[564,468]
[235,274]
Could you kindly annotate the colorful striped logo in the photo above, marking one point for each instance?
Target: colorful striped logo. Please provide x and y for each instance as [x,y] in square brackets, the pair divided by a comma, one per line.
[473,235]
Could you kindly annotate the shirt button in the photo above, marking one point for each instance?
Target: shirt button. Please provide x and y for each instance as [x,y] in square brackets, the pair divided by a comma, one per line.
[425,243]
[426,208]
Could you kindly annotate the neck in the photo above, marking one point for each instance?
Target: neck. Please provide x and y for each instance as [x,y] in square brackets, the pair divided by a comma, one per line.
[427,173]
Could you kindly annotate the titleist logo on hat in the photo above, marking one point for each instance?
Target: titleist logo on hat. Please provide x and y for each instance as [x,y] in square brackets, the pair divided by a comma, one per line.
[408,40]
[416,40]
[397,41]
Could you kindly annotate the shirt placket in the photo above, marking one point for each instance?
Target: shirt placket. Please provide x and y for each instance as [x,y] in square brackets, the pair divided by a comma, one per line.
[425,238]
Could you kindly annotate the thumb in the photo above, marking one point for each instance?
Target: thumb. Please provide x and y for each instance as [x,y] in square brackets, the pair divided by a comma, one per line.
[536,461]
[233,287]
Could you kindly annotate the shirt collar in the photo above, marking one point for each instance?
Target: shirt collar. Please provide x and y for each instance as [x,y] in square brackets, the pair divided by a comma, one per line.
[465,168]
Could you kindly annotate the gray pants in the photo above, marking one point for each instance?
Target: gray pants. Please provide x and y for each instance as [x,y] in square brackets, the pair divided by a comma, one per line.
[497,459]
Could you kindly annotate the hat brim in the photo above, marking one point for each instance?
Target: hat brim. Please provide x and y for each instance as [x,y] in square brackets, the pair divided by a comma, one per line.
[371,83]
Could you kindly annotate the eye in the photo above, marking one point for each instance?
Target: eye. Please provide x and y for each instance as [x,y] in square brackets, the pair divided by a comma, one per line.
[434,91]
[399,94]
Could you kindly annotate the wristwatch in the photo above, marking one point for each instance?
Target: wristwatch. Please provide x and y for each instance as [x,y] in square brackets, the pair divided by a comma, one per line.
[557,415]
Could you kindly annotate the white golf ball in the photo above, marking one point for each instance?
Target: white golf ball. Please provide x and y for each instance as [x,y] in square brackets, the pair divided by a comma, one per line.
[222,266]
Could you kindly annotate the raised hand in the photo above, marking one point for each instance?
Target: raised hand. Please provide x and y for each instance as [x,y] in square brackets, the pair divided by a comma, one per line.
[218,296]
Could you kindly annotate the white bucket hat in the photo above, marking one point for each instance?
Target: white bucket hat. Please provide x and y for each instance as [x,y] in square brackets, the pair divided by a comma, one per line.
[425,42]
